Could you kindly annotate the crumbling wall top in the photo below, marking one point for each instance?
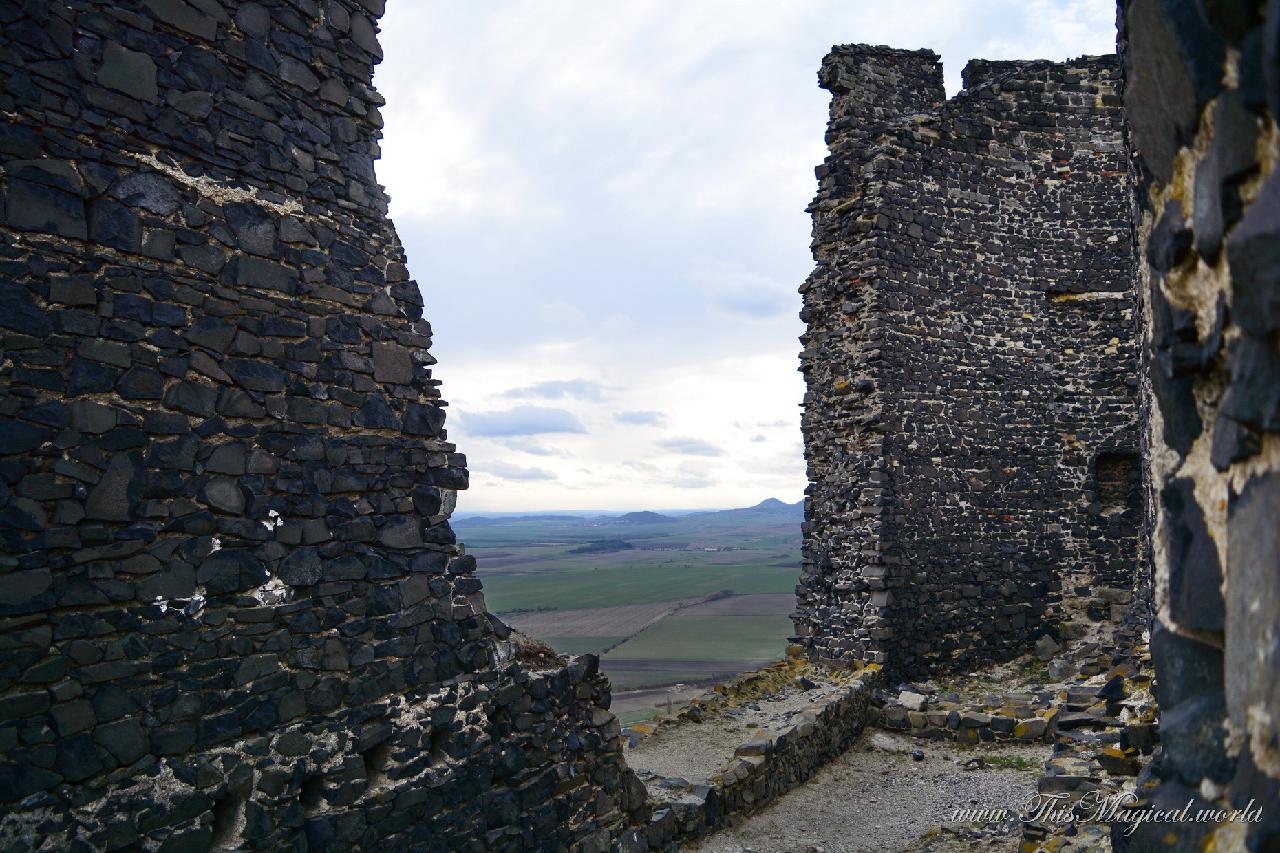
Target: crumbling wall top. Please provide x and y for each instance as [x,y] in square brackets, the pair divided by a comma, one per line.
[877,86]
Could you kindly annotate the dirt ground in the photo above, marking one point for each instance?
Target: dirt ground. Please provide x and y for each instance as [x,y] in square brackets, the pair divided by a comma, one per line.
[877,798]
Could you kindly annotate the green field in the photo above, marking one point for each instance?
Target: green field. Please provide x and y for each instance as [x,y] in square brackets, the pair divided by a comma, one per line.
[635,581]
[581,645]
[683,637]
[623,679]
[674,599]
[639,715]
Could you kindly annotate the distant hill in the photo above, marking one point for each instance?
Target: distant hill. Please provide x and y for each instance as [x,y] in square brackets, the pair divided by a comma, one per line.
[506,519]
[767,524]
[643,529]
[644,517]
[771,507]
[773,504]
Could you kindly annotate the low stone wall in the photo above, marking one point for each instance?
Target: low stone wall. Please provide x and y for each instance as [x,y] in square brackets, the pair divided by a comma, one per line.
[523,760]
[1101,690]
[1024,717]
[763,769]
[732,692]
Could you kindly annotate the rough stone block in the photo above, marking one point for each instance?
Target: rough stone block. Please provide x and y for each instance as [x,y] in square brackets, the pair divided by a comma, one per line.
[128,72]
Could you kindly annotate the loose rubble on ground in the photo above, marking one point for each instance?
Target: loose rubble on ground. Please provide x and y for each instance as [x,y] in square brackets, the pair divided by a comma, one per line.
[956,763]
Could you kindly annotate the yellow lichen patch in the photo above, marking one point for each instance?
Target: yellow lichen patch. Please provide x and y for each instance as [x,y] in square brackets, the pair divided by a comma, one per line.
[1021,730]
[845,206]
[1268,141]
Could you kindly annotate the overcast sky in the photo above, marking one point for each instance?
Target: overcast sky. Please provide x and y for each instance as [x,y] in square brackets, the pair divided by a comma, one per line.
[603,202]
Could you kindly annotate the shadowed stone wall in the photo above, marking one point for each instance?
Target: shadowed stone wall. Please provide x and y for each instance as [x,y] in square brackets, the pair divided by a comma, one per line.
[1202,96]
[233,611]
[971,413]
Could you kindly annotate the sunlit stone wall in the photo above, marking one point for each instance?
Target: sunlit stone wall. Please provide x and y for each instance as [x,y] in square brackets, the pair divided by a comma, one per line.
[1203,93]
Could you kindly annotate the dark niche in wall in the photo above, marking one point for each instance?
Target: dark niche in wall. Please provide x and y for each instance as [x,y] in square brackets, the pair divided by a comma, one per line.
[228,822]
[1117,482]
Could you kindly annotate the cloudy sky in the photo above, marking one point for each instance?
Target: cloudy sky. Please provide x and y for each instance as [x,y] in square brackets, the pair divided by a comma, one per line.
[603,203]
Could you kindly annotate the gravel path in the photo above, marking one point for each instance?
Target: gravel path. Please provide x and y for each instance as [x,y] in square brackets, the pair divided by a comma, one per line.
[875,797]
[695,751]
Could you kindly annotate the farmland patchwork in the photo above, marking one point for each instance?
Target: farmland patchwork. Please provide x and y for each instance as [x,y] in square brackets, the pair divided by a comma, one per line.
[1042,363]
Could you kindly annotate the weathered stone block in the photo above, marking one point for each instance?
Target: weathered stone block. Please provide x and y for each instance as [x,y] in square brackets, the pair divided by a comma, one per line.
[129,72]
[1195,577]
[36,207]
[185,17]
[1253,251]
[1174,66]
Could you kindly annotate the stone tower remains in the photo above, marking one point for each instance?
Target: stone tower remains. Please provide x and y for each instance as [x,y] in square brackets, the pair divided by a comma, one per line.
[233,612]
[971,415]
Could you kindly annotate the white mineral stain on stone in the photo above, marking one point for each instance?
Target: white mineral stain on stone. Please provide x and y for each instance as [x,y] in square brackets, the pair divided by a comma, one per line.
[215,191]
[273,592]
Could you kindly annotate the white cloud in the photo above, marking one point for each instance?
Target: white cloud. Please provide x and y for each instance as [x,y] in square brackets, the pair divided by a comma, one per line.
[616,465]
[692,482]
[604,205]
[533,448]
[641,418]
[562,315]
[440,167]
[690,447]
[555,389]
[521,420]
[507,471]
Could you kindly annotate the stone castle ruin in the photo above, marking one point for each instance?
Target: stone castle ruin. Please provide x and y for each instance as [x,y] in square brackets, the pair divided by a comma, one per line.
[1042,374]
[971,419]
[234,613]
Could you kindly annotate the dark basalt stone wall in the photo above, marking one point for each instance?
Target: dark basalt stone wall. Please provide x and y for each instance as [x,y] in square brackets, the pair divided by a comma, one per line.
[971,413]
[233,613]
[1202,95]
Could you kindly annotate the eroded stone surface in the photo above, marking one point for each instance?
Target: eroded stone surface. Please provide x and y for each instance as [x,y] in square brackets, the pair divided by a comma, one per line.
[234,613]
[1213,465]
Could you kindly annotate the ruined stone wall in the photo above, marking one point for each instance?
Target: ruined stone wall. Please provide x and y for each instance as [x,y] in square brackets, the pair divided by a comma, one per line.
[970,418]
[233,611]
[1202,95]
